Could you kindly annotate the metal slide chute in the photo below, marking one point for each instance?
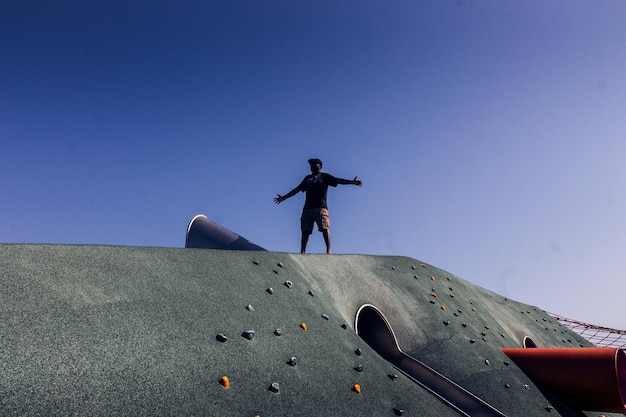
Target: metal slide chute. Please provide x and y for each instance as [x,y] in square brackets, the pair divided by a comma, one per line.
[204,233]
[376,331]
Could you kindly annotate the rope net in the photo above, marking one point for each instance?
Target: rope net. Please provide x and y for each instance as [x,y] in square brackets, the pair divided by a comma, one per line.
[598,335]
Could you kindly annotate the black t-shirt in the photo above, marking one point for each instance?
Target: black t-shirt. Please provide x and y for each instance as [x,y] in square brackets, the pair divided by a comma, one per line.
[316,187]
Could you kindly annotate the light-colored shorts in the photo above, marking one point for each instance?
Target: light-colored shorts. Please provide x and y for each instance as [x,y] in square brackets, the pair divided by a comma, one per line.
[311,216]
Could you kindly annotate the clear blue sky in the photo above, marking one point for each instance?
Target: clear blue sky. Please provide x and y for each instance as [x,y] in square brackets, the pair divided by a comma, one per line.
[490,135]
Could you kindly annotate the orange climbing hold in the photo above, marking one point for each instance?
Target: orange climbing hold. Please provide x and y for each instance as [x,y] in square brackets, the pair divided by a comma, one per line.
[356,388]
[303,326]
[225,381]
[443,308]
[432,278]
[433,294]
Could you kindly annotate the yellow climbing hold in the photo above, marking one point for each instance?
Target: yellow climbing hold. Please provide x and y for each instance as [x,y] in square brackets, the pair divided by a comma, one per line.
[356,388]
[303,326]
[225,381]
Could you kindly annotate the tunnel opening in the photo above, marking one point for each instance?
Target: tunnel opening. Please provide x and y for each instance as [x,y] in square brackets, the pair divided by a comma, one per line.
[372,326]
[528,342]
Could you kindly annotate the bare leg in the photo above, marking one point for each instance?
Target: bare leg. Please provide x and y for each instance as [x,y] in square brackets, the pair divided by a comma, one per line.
[303,242]
[326,234]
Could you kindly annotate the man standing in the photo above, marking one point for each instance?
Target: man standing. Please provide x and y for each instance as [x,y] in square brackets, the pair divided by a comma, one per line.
[315,209]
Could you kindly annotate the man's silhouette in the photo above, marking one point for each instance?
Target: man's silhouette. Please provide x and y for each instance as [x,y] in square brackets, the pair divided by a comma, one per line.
[315,209]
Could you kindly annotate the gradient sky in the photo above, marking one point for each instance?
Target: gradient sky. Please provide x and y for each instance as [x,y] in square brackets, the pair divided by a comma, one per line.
[490,135]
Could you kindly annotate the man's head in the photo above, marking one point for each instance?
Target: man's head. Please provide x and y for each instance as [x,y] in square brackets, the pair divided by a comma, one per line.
[316,165]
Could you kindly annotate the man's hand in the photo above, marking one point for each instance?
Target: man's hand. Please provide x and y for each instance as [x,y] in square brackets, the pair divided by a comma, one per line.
[355,181]
[279,199]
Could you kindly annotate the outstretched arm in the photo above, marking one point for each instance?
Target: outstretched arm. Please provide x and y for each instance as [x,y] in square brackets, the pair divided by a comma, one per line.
[355,181]
[280,198]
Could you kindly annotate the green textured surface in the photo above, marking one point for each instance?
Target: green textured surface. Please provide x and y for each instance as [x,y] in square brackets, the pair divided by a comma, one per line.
[102,330]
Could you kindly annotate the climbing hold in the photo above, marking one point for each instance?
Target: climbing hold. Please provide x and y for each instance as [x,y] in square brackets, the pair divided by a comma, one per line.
[526,386]
[288,284]
[255,262]
[225,381]
[487,362]
[393,377]
[464,324]
[394,268]
[356,388]
[432,278]
[344,325]
[474,309]
[487,327]
[503,335]
[422,265]
[249,334]
[506,363]
[270,290]
[433,294]
[443,308]
[415,276]
[448,278]
[451,295]
[303,326]
[249,307]
[507,386]
[358,352]
[325,316]
[412,266]
[275,387]
[398,411]
[292,361]
[446,322]
[432,301]
[311,293]
[275,271]
[472,341]
[280,264]
[278,332]
[221,338]
[358,368]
